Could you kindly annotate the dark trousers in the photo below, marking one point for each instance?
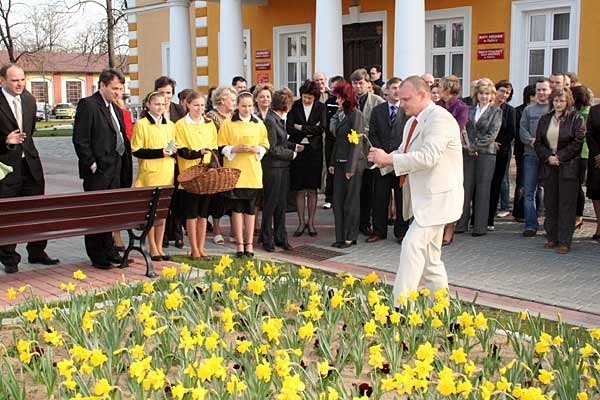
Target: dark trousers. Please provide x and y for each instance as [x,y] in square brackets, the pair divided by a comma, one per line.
[502,160]
[518,210]
[100,246]
[366,199]
[276,184]
[16,186]
[478,172]
[328,177]
[583,162]
[560,201]
[174,223]
[382,190]
[346,204]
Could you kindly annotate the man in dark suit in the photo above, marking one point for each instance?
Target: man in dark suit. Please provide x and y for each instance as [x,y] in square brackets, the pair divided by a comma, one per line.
[366,102]
[17,124]
[385,132]
[104,154]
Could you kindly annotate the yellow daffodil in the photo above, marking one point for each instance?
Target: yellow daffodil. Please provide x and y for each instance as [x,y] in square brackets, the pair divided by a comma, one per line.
[102,388]
[415,319]
[370,328]
[174,300]
[587,351]
[458,356]
[155,380]
[97,358]
[11,293]
[31,315]
[257,286]
[272,327]
[426,352]
[243,346]
[376,359]
[235,386]
[169,272]
[79,275]
[148,288]
[381,312]
[353,137]
[53,337]
[446,384]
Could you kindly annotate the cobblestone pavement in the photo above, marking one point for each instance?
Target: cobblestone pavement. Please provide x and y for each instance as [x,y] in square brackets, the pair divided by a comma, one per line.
[501,263]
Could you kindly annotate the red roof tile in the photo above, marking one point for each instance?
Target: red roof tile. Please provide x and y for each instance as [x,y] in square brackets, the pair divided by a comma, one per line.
[62,62]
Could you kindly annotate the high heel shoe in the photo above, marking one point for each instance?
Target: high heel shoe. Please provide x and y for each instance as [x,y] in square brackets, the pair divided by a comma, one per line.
[240,253]
[300,231]
[579,225]
[312,232]
[249,254]
[448,242]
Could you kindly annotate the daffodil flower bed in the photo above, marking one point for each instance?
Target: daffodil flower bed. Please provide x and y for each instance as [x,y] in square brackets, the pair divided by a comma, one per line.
[252,329]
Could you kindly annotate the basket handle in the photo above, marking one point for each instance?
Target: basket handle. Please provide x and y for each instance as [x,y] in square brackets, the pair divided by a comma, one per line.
[214,157]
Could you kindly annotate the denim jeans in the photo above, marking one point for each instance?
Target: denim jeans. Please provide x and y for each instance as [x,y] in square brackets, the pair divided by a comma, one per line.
[530,184]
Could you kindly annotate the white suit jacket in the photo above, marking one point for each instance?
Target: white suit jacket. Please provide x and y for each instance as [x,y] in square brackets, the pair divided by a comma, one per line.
[433,192]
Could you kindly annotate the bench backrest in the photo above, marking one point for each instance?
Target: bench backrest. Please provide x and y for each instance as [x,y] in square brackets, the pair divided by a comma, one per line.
[24,219]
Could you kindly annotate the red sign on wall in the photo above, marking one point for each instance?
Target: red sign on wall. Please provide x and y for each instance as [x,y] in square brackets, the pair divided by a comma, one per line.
[262,77]
[263,54]
[490,54]
[490,38]
[263,66]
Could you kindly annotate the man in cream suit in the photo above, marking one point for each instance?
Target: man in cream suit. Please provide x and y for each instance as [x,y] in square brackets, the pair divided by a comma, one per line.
[429,166]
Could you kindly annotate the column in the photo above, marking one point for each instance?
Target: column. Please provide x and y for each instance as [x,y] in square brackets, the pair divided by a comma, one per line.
[180,47]
[231,41]
[329,54]
[409,38]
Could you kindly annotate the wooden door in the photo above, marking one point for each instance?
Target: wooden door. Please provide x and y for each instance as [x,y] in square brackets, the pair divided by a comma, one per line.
[363,46]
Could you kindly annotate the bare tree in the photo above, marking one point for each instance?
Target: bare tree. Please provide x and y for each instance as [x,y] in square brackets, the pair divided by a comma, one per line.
[112,26]
[8,28]
[47,28]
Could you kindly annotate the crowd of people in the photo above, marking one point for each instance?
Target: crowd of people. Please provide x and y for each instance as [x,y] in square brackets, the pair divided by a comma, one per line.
[288,148]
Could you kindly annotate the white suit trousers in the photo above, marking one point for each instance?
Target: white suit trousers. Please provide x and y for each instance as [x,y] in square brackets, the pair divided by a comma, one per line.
[420,258]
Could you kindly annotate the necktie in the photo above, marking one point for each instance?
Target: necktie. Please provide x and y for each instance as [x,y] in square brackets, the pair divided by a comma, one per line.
[18,112]
[402,178]
[120,148]
[393,114]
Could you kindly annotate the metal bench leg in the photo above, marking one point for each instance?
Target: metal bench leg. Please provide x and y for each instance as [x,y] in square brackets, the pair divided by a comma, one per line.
[140,248]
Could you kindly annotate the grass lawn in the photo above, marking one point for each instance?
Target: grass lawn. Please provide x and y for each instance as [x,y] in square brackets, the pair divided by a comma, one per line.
[53,132]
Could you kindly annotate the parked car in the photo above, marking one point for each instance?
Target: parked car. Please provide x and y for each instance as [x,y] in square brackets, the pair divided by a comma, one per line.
[64,110]
[40,114]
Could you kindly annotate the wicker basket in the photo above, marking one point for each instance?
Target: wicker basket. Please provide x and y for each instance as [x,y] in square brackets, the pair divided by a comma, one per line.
[201,179]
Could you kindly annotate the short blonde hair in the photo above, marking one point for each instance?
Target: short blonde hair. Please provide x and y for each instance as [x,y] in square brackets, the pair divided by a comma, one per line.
[484,85]
[263,86]
[451,83]
[221,92]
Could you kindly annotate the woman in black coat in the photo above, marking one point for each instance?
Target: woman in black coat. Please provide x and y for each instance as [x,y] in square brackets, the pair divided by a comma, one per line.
[306,123]
[504,140]
[559,138]
[276,171]
[347,163]
[593,176]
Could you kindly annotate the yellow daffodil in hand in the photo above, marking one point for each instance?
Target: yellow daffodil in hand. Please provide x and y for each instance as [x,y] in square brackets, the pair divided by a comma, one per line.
[353,137]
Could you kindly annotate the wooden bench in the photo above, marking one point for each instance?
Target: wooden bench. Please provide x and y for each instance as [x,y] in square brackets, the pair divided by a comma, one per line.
[28,219]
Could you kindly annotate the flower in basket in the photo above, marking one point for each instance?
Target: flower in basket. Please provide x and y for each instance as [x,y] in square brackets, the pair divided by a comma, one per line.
[354,137]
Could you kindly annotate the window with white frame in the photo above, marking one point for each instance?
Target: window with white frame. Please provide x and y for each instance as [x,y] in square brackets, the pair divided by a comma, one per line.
[165,57]
[39,90]
[448,43]
[293,56]
[547,43]
[446,47]
[73,89]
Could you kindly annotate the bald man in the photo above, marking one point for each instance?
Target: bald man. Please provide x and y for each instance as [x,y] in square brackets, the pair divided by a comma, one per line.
[429,166]
[430,79]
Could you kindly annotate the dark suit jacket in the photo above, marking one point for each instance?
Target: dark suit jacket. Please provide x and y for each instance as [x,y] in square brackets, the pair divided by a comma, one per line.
[95,139]
[482,133]
[507,132]
[280,152]
[11,155]
[382,133]
[593,131]
[571,133]
[312,129]
[351,155]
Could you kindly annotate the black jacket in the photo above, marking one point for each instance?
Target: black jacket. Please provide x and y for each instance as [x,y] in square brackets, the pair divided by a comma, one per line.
[382,133]
[11,155]
[280,152]
[312,129]
[351,155]
[571,133]
[508,129]
[95,139]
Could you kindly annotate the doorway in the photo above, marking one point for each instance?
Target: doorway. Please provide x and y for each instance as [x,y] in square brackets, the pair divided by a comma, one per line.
[363,45]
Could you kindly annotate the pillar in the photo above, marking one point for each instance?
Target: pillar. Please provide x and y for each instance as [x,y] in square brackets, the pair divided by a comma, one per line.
[231,41]
[180,44]
[329,54]
[409,38]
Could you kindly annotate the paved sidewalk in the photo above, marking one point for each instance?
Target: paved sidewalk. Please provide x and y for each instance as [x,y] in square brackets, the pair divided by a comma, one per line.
[501,269]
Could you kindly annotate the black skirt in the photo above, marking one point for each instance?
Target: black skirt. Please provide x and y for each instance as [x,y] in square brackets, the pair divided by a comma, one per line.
[306,169]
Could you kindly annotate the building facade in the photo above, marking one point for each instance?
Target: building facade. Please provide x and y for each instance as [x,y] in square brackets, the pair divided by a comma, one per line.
[205,43]
[61,77]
